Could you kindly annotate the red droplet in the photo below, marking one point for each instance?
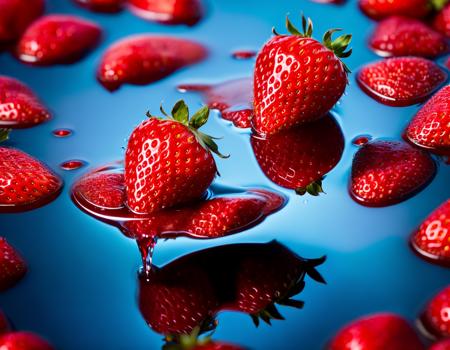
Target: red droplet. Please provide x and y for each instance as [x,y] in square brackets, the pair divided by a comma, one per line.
[72,164]
[62,132]
[243,54]
[361,140]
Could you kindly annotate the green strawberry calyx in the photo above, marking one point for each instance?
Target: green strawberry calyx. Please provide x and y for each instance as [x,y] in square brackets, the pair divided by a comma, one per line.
[180,114]
[4,134]
[314,188]
[339,45]
[438,5]
[188,341]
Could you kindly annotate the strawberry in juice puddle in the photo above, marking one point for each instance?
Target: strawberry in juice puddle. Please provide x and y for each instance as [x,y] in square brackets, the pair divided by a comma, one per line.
[401,81]
[143,59]
[186,295]
[431,241]
[187,12]
[12,269]
[300,157]
[57,39]
[19,106]
[233,98]
[107,6]
[435,320]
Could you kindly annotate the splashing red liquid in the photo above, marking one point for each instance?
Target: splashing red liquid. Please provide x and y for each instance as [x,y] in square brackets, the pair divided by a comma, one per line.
[233,98]
[223,211]
[243,54]
[72,164]
[361,140]
[62,132]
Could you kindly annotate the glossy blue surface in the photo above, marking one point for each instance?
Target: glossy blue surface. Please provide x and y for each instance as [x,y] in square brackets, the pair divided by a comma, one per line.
[80,291]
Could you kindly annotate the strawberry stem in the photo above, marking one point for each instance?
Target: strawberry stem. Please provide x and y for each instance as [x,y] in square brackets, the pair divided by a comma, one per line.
[4,134]
[314,188]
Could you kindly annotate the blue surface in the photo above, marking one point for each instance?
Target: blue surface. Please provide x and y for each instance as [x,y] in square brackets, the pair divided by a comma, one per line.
[80,291]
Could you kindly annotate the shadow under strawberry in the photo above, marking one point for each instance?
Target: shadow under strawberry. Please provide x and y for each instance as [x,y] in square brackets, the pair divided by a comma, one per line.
[185,295]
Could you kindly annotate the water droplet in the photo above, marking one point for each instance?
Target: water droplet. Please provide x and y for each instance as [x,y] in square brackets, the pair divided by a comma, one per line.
[361,140]
[62,132]
[72,164]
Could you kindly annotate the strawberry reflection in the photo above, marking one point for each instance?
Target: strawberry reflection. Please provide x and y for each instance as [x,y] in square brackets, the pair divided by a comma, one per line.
[184,296]
[299,158]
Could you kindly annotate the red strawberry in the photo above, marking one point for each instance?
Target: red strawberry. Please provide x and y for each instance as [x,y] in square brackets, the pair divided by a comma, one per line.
[144,59]
[190,342]
[102,5]
[23,341]
[401,36]
[298,79]
[4,324]
[388,172]
[442,21]
[213,345]
[187,12]
[299,158]
[401,81]
[432,239]
[430,128]
[56,39]
[442,345]
[12,267]
[169,161]
[25,182]
[19,106]
[436,318]
[379,9]
[383,331]
[16,15]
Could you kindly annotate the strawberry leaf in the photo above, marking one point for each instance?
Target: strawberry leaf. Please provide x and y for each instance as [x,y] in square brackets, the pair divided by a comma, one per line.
[4,134]
[199,118]
[180,112]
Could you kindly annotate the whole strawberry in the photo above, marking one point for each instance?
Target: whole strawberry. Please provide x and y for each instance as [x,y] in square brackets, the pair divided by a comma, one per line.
[379,9]
[23,341]
[12,266]
[441,22]
[298,79]
[300,157]
[432,239]
[401,81]
[144,59]
[388,172]
[16,15]
[401,36]
[169,161]
[57,39]
[25,182]
[383,331]
[187,12]
[102,5]
[430,128]
[19,106]
[442,345]
[436,318]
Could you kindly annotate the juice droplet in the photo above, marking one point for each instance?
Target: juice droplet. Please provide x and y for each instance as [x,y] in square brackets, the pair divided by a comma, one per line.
[62,132]
[243,54]
[72,164]
[361,140]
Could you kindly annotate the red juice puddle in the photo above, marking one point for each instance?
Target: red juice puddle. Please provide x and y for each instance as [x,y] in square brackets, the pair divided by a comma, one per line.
[233,98]
[299,158]
[223,211]
[361,140]
[250,278]
[107,6]
[62,132]
[243,54]
[72,164]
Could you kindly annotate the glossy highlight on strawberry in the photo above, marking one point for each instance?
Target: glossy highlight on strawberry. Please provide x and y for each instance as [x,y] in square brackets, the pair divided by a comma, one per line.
[107,6]
[12,266]
[300,157]
[388,172]
[436,318]
[57,39]
[298,79]
[401,81]
[19,106]
[23,341]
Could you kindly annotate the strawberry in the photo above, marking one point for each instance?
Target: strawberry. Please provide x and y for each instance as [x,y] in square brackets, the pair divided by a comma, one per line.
[401,36]
[19,106]
[436,318]
[190,342]
[168,161]
[102,5]
[430,128]
[187,12]
[16,15]
[23,341]
[441,22]
[388,172]
[382,331]
[298,79]
[300,157]
[144,59]
[401,81]
[432,239]
[4,324]
[447,63]
[380,9]
[24,181]
[12,266]
[57,39]
[442,345]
